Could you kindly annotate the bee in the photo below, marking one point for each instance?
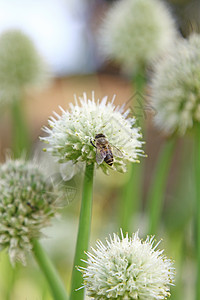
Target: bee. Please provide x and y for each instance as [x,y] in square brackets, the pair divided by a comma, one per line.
[104,150]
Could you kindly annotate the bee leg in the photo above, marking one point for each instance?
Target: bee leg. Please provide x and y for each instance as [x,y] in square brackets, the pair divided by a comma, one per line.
[31,206]
[92,144]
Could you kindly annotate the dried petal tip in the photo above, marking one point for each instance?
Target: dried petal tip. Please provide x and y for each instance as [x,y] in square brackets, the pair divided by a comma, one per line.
[128,268]
[27,202]
[70,135]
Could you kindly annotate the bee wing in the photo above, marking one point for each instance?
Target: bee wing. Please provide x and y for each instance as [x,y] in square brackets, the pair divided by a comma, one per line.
[100,155]
[116,151]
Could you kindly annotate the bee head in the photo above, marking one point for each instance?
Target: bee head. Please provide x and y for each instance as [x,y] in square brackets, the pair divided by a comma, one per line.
[99,135]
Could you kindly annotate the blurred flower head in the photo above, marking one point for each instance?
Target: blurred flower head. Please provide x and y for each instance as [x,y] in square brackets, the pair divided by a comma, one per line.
[135,32]
[20,65]
[176,89]
[70,135]
[27,202]
[127,268]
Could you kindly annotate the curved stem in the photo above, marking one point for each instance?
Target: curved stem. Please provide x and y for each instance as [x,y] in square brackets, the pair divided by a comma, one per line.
[197,184]
[83,233]
[57,288]
[158,185]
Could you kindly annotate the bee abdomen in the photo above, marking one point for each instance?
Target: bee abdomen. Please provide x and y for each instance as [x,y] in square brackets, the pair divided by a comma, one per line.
[109,160]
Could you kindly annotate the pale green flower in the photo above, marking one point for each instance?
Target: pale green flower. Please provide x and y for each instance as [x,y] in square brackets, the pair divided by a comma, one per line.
[27,202]
[128,268]
[135,32]
[175,87]
[21,66]
[70,135]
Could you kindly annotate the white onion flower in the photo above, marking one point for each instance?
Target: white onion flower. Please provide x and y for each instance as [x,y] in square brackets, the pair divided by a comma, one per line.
[128,268]
[176,89]
[27,203]
[135,32]
[21,66]
[70,134]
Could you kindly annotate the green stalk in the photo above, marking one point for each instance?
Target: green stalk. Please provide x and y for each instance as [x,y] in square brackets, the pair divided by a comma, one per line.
[158,185]
[197,183]
[83,233]
[57,288]
[8,275]
[20,133]
[131,193]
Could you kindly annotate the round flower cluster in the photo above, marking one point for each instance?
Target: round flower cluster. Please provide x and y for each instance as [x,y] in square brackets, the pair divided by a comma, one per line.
[127,268]
[27,202]
[135,32]
[176,89]
[20,65]
[70,135]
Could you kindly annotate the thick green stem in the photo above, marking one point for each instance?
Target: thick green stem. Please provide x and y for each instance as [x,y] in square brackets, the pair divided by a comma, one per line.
[158,185]
[131,194]
[197,184]
[83,233]
[57,288]
[20,132]
[8,275]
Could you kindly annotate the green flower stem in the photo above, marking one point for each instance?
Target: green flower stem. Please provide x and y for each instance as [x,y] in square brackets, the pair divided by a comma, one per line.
[139,82]
[157,188]
[131,193]
[180,244]
[197,184]
[8,275]
[83,233]
[21,136]
[57,288]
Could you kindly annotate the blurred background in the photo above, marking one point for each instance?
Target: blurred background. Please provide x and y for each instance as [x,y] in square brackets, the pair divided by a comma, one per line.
[65,32]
